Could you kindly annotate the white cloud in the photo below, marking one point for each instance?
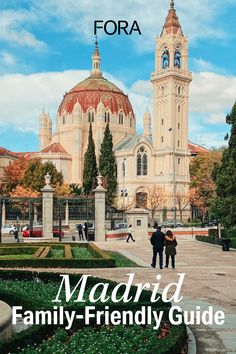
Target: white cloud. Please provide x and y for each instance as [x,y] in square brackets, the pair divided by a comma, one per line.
[212,95]
[7,59]
[24,96]
[12,29]
[78,17]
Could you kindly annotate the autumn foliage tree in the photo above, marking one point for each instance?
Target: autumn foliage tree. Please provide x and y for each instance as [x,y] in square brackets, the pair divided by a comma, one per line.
[202,184]
[13,175]
[25,178]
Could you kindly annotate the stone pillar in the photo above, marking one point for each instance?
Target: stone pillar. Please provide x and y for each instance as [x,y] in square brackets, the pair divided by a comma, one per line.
[138,218]
[67,213]
[100,193]
[35,214]
[47,218]
[3,213]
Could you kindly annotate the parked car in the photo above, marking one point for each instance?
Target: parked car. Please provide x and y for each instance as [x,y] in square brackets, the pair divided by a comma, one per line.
[38,232]
[9,229]
[26,226]
[121,225]
[171,224]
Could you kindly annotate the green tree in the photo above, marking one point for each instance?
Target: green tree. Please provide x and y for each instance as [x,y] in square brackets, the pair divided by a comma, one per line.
[107,165]
[224,205]
[35,172]
[90,166]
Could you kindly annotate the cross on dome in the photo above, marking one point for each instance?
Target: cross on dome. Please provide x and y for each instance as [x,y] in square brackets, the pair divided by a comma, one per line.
[172,4]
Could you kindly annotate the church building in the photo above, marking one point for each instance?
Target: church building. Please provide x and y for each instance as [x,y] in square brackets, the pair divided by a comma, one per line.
[154,162]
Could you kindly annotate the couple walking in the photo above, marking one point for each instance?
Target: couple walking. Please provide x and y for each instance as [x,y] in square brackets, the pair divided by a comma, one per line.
[159,240]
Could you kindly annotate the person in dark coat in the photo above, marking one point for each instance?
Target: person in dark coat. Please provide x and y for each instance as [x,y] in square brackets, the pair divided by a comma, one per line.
[80,232]
[157,240]
[170,243]
[86,230]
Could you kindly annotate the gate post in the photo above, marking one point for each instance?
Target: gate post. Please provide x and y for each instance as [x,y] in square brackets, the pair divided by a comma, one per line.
[100,193]
[47,217]
[3,212]
[67,214]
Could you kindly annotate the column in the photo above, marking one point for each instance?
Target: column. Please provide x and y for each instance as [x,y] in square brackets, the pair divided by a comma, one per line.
[3,213]
[67,213]
[100,193]
[47,217]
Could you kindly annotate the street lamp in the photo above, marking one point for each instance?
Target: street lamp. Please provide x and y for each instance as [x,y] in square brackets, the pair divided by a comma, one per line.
[174,175]
[123,191]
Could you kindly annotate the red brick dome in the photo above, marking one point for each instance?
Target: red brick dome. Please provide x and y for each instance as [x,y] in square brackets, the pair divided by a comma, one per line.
[91,91]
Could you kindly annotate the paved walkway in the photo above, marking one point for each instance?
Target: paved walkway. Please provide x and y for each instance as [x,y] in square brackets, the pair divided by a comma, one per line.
[210,280]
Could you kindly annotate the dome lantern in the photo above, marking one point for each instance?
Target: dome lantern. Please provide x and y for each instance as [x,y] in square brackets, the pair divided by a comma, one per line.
[96,60]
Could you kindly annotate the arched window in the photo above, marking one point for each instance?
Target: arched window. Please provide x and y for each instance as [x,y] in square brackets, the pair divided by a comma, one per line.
[90,116]
[142,162]
[130,122]
[177,58]
[165,59]
[179,126]
[179,90]
[178,108]
[162,122]
[178,143]
[107,117]
[162,139]
[179,160]
[63,120]
[121,118]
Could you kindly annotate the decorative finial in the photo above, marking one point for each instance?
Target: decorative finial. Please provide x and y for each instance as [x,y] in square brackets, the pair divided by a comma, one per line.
[47,178]
[96,41]
[172,4]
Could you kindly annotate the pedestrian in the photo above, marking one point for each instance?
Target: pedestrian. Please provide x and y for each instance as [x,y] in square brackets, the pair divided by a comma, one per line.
[86,230]
[157,240]
[170,243]
[80,232]
[130,232]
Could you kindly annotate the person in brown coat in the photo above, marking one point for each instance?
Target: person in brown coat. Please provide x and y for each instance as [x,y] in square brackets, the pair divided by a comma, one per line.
[170,243]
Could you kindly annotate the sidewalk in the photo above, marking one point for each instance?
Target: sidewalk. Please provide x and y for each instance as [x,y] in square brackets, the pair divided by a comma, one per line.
[210,280]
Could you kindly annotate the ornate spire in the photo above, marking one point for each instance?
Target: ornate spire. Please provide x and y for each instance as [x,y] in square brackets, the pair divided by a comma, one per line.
[96,60]
[172,25]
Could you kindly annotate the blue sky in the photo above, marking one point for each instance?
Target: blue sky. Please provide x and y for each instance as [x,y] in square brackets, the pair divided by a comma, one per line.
[46,48]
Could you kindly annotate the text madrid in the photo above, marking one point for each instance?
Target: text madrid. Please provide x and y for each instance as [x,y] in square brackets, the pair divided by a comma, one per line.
[122,292]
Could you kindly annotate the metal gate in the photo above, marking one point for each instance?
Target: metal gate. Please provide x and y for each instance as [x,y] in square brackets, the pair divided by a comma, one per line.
[20,212]
[67,212]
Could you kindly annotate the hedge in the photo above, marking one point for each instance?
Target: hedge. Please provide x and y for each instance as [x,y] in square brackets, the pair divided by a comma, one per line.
[215,241]
[39,260]
[224,233]
[16,250]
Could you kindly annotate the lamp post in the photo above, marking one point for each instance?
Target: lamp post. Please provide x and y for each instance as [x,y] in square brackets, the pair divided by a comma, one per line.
[123,187]
[174,176]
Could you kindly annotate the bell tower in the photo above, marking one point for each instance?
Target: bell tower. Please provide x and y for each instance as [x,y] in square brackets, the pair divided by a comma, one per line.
[171,81]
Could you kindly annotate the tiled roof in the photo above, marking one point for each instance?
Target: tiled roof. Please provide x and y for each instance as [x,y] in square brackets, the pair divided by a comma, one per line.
[6,152]
[195,148]
[55,148]
[172,24]
[93,90]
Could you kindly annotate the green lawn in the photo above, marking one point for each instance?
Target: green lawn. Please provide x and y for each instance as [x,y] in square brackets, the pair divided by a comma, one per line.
[122,261]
